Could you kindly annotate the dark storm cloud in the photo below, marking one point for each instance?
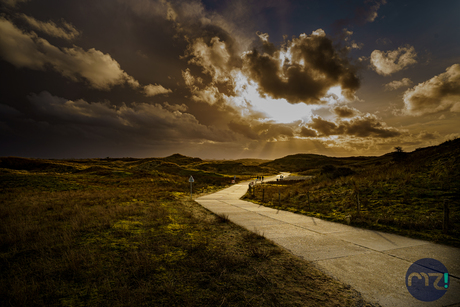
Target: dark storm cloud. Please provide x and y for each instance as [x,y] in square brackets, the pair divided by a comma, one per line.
[365,126]
[312,69]
[267,46]
[440,93]
[324,127]
[100,73]
[150,121]
[58,127]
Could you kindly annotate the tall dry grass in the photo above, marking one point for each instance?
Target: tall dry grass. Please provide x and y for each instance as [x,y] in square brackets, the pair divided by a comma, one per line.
[133,240]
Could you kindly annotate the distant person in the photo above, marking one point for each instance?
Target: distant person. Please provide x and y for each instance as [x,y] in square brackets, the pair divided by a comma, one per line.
[262,178]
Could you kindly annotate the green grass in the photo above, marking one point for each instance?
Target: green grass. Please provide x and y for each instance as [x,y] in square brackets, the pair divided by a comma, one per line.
[121,232]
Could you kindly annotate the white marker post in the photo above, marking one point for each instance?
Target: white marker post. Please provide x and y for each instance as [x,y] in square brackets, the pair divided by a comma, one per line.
[191,180]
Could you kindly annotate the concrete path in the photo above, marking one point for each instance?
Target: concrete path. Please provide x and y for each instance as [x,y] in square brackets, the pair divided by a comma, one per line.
[372,262]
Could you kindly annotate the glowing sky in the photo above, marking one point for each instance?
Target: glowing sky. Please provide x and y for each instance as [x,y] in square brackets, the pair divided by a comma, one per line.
[227,79]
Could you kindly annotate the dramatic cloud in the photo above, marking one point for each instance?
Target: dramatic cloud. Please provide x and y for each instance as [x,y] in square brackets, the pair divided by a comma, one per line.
[213,56]
[344,111]
[365,126]
[28,50]
[175,107]
[394,85]
[208,94]
[440,93]
[258,131]
[150,121]
[388,62]
[13,3]
[18,48]
[100,70]
[229,93]
[306,132]
[67,31]
[213,41]
[274,132]
[153,90]
[301,71]
[243,129]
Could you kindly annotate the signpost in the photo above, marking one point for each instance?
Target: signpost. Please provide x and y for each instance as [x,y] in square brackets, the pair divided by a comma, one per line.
[191,180]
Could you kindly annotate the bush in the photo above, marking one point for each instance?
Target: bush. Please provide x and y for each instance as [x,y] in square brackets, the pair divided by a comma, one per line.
[332,172]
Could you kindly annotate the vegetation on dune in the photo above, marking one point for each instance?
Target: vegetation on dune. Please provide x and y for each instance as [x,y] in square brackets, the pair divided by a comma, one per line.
[232,167]
[400,192]
[310,164]
[122,232]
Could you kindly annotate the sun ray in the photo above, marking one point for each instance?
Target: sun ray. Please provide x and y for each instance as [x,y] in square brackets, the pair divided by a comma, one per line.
[278,110]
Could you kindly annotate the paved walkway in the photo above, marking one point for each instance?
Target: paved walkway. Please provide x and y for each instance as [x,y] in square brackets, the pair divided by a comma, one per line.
[372,262]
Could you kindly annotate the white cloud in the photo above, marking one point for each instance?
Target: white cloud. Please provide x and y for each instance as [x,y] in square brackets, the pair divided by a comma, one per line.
[153,90]
[394,85]
[67,31]
[388,62]
[18,48]
[13,3]
[440,93]
[214,58]
[175,107]
[100,70]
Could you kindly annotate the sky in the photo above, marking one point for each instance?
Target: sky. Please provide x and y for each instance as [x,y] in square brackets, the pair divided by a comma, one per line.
[227,79]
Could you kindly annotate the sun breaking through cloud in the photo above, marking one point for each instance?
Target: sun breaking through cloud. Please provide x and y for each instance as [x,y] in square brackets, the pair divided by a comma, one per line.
[226,78]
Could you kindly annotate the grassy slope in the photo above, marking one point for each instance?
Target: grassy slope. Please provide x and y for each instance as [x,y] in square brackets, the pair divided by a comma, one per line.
[404,196]
[121,232]
[306,164]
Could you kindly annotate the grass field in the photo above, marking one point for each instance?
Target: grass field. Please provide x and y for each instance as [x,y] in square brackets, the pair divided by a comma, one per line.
[402,193]
[123,232]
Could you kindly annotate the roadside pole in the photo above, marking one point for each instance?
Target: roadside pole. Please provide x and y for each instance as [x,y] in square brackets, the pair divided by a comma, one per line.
[191,180]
